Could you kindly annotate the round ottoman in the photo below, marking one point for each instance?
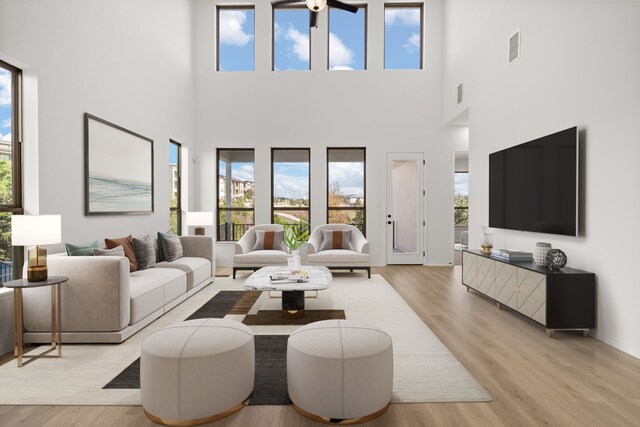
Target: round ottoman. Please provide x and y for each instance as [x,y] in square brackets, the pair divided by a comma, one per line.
[197,371]
[340,371]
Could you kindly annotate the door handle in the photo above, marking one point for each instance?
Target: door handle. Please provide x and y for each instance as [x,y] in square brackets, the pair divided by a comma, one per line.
[388,222]
[388,216]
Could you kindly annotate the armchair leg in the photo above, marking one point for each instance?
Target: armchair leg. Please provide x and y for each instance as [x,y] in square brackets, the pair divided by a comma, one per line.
[234,272]
[369,272]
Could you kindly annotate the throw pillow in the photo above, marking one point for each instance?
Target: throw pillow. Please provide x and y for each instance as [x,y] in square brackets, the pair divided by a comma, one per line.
[172,248]
[145,252]
[161,237]
[336,239]
[75,250]
[127,245]
[117,251]
[268,240]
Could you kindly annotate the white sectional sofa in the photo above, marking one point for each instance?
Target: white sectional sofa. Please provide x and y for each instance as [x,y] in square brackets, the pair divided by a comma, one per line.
[104,303]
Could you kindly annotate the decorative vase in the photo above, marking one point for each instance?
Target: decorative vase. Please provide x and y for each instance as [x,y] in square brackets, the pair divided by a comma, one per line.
[293,261]
[556,259]
[487,240]
[540,253]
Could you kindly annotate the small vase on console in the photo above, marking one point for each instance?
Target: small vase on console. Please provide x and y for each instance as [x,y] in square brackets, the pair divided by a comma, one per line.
[487,240]
[540,253]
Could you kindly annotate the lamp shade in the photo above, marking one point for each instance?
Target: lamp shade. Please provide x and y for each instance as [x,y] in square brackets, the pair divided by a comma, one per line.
[199,218]
[316,5]
[29,230]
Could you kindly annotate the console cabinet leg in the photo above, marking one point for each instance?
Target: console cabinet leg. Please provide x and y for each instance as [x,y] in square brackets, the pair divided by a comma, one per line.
[550,333]
[585,332]
[467,289]
[499,306]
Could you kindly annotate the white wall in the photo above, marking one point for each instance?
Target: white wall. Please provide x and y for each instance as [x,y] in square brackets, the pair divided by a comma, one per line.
[579,65]
[381,110]
[128,62]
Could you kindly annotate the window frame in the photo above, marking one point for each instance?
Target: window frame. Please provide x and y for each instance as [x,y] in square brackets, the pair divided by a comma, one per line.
[178,207]
[16,161]
[407,5]
[217,198]
[234,7]
[273,32]
[366,34]
[292,208]
[364,205]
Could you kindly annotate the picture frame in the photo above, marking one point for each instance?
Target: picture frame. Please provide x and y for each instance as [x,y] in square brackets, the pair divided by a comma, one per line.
[118,169]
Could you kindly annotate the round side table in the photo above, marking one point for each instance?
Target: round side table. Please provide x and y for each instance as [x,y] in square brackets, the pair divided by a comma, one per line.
[56,314]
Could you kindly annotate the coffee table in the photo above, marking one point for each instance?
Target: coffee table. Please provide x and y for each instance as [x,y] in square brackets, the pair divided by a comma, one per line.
[292,293]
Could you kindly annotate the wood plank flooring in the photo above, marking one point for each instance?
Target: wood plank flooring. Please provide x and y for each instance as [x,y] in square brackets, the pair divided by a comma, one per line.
[534,380]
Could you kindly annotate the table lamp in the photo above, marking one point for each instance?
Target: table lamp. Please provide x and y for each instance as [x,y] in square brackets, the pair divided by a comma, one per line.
[199,220]
[30,230]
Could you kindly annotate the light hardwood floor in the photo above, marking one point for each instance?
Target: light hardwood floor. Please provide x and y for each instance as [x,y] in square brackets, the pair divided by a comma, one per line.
[534,380]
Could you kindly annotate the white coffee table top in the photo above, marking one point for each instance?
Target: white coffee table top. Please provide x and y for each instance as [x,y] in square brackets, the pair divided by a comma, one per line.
[319,278]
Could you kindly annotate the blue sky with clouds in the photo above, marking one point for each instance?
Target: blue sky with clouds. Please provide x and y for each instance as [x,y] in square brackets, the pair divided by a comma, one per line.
[291,39]
[5,105]
[236,42]
[402,44]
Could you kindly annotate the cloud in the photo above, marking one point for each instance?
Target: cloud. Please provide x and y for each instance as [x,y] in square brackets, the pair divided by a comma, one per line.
[232,30]
[243,171]
[291,186]
[277,31]
[5,87]
[300,43]
[6,123]
[413,43]
[402,16]
[340,56]
[5,137]
[462,183]
[349,176]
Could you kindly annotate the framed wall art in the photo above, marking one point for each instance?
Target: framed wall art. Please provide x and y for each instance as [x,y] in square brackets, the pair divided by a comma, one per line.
[118,169]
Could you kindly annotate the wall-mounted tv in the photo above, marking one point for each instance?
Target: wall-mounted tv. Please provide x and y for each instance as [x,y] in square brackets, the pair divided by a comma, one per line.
[534,186]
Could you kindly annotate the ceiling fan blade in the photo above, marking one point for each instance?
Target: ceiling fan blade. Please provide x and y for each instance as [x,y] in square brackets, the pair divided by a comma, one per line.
[313,19]
[283,2]
[339,5]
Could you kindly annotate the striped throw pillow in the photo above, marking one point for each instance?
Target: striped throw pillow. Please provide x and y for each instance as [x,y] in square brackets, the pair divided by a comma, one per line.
[336,239]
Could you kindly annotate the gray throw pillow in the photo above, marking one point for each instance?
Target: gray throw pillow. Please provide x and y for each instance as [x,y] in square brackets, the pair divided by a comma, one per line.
[336,239]
[145,252]
[117,251]
[161,237]
[172,248]
[268,239]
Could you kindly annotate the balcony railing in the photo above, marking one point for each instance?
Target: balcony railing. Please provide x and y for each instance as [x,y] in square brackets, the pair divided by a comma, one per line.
[6,272]
[232,232]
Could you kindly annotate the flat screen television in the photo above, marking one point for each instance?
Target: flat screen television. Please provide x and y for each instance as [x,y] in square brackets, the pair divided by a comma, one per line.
[534,186]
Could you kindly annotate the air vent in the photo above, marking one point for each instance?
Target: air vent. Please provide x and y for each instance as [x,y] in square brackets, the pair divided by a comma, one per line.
[514,46]
[459,93]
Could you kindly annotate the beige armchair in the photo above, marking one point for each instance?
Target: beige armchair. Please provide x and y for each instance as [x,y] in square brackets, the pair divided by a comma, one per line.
[246,258]
[356,257]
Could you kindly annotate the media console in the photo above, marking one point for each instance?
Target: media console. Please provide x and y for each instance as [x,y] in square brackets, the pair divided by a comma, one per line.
[558,300]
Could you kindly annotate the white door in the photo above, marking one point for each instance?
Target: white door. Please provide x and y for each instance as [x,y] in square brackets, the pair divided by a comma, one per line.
[405,201]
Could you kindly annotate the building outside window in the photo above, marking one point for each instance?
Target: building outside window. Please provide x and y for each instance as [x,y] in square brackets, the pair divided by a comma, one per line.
[10,171]
[461,204]
[347,39]
[290,190]
[236,193]
[175,181]
[403,36]
[235,44]
[346,187]
[291,42]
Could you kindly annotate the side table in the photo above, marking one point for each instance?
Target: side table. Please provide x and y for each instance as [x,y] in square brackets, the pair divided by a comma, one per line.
[56,314]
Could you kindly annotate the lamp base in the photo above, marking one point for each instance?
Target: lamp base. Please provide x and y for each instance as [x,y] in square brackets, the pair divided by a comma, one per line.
[199,231]
[37,270]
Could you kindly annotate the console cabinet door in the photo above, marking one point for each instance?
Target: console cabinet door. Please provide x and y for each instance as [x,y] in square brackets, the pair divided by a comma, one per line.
[469,269]
[506,284]
[485,278]
[532,295]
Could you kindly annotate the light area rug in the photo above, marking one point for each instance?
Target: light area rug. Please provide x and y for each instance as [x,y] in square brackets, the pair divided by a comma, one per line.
[424,370]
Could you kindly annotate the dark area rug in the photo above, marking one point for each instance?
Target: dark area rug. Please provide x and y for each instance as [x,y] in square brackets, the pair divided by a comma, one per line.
[270,386]
[274,317]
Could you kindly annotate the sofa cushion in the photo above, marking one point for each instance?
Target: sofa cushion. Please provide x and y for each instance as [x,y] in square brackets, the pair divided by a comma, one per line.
[117,251]
[268,239]
[257,258]
[160,247]
[198,269]
[172,248]
[337,257]
[336,239]
[147,296]
[173,280]
[75,250]
[145,252]
[127,244]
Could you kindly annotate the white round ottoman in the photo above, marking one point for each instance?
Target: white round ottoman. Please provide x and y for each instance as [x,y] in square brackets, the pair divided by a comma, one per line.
[340,371]
[197,371]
